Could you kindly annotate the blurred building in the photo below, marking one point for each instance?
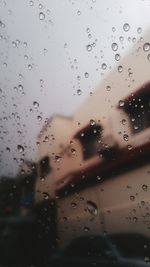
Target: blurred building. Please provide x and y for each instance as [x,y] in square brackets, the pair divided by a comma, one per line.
[96,163]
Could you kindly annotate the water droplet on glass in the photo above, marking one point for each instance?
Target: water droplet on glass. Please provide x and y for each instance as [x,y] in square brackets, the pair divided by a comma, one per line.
[46,138]
[126,27]
[129,147]
[123,121]
[121,103]
[135,127]
[108,88]
[79,92]
[30,67]
[20,87]
[73,205]
[92,208]
[86,229]
[148,57]
[144,187]
[89,48]
[35,104]
[20,148]
[126,137]
[14,44]
[45,195]
[113,29]
[98,178]
[78,12]
[135,219]
[104,66]
[86,74]
[73,151]
[8,149]
[114,46]
[139,30]
[39,118]
[25,44]
[31,3]
[40,6]
[117,57]
[41,16]
[25,57]
[132,198]
[121,38]
[57,158]
[120,68]
[92,122]
[146,47]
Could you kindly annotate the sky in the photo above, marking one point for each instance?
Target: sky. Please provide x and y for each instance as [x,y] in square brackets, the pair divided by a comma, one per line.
[53,53]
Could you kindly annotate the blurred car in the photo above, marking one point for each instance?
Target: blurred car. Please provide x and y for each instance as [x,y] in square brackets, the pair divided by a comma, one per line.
[93,251]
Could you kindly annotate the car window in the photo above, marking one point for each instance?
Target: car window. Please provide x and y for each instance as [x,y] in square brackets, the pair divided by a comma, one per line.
[74,131]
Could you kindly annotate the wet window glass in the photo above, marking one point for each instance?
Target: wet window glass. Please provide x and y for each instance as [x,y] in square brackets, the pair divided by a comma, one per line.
[74,133]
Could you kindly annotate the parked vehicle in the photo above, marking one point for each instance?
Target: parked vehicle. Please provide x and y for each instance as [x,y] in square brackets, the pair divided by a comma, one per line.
[94,251]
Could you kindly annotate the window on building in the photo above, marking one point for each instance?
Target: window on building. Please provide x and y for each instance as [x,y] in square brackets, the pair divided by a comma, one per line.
[90,139]
[137,107]
[45,166]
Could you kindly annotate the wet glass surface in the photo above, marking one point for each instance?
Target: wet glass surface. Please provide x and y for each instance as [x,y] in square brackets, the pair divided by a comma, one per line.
[74,133]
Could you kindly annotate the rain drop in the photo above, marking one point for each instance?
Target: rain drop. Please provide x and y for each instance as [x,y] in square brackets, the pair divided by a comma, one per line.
[8,149]
[46,138]
[108,88]
[114,46]
[129,147]
[104,66]
[144,187]
[29,67]
[78,12]
[126,137]
[39,118]
[92,208]
[20,148]
[73,151]
[73,205]
[135,219]
[92,122]
[20,87]
[117,57]
[120,68]
[57,158]
[35,104]
[121,103]
[139,30]
[86,229]
[88,48]
[113,29]
[121,38]
[25,57]
[148,57]
[79,92]
[146,47]
[45,195]
[132,198]
[86,74]
[41,16]
[14,44]
[126,27]
[31,3]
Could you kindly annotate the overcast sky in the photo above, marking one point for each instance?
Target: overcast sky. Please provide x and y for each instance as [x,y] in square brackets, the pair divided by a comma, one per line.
[49,50]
